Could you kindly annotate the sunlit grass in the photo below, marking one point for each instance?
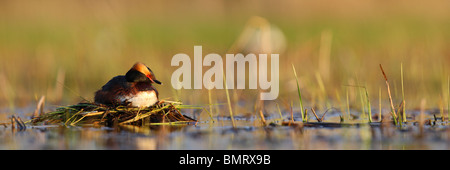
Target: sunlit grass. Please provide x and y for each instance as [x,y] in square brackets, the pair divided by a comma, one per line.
[403,95]
[299,95]
[394,115]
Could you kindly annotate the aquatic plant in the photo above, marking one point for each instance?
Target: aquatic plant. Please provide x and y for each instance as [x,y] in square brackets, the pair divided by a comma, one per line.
[299,95]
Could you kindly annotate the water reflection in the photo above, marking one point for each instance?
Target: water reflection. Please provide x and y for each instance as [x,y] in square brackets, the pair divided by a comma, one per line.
[214,136]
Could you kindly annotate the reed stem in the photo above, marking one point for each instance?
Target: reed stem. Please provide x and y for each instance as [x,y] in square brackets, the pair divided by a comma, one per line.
[299,94]
[403,95]
[390,98]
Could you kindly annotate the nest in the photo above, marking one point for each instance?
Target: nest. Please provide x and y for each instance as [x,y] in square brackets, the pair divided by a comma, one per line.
[165,112]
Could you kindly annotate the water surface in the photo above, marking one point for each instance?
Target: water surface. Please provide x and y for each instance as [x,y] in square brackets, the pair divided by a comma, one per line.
[248,134]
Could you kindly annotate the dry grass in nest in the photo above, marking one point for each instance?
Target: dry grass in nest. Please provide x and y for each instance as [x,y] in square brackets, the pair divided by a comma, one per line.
[166,112]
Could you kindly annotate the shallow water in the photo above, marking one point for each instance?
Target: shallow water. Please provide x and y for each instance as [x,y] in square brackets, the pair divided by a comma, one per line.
[214,136]
[248,134]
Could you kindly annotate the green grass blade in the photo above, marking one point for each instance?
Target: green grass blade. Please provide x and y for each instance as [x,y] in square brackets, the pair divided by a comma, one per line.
[299,94]
[403,94]
[279,112]
[369,109]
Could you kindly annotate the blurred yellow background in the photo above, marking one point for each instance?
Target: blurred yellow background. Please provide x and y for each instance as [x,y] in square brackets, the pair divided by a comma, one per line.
[46,45]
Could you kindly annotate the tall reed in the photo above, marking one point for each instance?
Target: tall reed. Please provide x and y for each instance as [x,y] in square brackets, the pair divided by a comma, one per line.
[394,116]
[403,95]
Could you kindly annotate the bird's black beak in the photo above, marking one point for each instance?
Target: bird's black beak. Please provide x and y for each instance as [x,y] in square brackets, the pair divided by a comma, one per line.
[157,82]
[153,81]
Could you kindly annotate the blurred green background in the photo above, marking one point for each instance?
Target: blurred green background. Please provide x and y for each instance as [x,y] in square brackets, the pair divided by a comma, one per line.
[46,45]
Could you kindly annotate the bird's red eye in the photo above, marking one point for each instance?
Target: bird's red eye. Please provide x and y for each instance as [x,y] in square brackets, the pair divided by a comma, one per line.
[150,77]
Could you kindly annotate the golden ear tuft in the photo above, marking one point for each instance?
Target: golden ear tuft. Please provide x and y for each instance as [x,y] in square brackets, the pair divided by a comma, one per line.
[141,68]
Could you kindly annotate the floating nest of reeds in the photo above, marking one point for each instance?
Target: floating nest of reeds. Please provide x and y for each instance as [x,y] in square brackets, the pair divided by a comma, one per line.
[165,112]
